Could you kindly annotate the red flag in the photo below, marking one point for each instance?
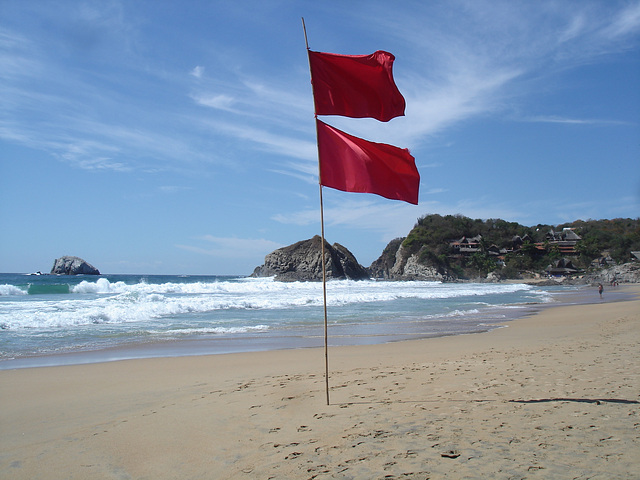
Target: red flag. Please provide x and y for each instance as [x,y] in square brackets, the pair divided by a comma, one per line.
[352,164]
[355,86]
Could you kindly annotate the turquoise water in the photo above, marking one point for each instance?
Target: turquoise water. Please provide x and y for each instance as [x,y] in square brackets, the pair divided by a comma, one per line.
[48,319]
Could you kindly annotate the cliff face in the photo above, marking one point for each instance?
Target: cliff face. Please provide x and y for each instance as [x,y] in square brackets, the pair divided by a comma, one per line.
[399,263]
[73,266]
[302,262]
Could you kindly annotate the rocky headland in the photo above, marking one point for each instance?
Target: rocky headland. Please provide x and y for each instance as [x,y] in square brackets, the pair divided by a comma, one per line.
[397,262]
[458,248]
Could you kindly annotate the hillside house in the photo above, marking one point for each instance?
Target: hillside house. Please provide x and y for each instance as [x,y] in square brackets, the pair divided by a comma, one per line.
[561,267]
[517,241]
[603,262]
[466,246]
[565,241]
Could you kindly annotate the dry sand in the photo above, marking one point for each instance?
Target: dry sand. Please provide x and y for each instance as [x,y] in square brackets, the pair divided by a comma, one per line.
[552,396]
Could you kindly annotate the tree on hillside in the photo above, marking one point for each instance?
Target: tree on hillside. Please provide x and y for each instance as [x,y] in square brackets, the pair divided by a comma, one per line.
[432,237]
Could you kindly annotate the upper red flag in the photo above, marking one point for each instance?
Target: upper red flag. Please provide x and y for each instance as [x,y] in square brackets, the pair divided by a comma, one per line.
[352,164]
[355,86]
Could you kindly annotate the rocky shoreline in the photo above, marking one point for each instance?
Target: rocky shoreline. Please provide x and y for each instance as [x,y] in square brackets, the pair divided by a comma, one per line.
[302,262]
[625,273]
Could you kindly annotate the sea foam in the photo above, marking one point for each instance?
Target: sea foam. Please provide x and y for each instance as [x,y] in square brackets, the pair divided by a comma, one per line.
[105,302]
[6,290]
[65,313]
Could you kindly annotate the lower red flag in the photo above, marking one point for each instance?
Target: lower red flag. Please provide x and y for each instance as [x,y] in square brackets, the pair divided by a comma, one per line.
[352,164]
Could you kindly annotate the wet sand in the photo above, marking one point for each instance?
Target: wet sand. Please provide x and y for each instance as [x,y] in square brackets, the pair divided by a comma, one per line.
[553,395]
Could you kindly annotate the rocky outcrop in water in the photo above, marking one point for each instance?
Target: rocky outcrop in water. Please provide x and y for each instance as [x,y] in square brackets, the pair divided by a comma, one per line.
[68,265]
[302,262]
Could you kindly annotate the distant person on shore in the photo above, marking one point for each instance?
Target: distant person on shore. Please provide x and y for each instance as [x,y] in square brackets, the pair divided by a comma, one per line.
[600,288]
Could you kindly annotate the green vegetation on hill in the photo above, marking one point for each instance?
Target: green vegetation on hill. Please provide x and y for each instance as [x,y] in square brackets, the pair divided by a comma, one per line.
[468,248]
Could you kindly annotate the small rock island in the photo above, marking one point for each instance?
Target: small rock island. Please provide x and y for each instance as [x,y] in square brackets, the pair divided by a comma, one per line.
[69,265]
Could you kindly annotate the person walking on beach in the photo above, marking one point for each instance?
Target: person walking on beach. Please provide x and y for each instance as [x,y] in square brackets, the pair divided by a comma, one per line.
[600,288]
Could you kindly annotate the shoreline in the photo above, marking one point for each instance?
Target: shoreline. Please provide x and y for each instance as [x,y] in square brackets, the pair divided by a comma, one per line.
[554,395]
[225,345]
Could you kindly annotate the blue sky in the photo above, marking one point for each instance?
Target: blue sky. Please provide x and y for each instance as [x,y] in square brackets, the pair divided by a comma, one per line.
[178,137]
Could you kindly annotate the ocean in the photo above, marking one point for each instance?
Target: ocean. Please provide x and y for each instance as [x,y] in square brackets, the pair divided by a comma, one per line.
[56,320]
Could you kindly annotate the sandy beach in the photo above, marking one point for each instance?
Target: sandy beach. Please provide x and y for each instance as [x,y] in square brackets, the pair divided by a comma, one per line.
[553,395]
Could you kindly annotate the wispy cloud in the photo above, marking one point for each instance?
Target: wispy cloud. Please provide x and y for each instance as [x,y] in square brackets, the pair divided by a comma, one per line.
[219,101]
[263,139]
[574,121]
[197,71]
[88,117]
[625,22]
[435,191]
[491,56]
[388,219]
[450,70]
[304,171]
[268,100]
[230,247]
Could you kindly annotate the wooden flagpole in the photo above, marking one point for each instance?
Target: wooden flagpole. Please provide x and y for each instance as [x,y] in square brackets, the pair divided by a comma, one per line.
[324,267]
[324,298]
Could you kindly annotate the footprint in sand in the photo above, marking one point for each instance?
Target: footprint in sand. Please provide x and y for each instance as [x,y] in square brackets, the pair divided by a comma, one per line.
[450,454]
